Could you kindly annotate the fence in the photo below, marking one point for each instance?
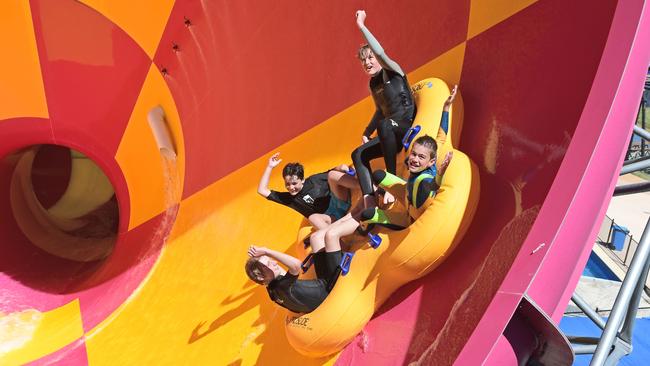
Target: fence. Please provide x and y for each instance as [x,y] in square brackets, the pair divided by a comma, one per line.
[630,245]
[623,257]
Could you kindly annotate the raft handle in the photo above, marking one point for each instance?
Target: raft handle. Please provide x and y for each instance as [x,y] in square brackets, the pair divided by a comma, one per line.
[410,135]
[345,262]
[309,260]
[374,240]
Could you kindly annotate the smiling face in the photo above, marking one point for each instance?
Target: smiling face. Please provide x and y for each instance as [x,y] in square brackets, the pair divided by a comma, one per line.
[293,184]
[369,63]
[420,158]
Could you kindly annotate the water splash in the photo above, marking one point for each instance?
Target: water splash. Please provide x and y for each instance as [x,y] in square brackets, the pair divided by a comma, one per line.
[364,341]
[172,192]
[184,67]
[206,13]
[204,60]
[17,329]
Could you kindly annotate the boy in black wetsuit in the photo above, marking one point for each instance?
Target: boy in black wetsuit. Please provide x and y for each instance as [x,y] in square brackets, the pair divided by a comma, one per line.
[394,112]
[322,198]
[284,287]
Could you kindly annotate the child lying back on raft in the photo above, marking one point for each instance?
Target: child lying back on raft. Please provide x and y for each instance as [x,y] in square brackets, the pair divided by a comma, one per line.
[284,287]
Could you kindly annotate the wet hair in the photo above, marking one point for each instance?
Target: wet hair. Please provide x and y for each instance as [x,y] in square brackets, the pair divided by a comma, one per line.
[294,169]
[258,272]
[364,51]
[428,142]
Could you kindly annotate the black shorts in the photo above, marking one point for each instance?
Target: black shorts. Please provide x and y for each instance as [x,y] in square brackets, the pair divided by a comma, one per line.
[326,265]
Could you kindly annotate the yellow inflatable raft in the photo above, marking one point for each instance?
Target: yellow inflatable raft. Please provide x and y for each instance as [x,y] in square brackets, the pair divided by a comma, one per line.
[403,255]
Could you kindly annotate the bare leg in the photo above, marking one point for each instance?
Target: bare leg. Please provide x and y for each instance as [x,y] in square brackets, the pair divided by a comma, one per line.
[344,226]
[317,240]
[320,221]
[356,210]
[341,183]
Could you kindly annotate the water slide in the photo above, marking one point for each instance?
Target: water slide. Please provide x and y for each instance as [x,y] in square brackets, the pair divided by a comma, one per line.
[115,253]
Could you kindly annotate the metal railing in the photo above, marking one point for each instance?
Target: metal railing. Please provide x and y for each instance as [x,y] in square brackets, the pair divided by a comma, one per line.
[639,148]
[615,341]
[630,245]
[623,257]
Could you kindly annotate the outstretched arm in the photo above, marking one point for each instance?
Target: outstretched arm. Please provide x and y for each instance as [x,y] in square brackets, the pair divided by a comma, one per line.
[376,48]
[450,99]
[263,186]
[444,119]
[292,263]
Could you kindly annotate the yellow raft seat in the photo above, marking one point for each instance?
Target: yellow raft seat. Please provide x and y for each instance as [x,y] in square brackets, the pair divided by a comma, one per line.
[404,255]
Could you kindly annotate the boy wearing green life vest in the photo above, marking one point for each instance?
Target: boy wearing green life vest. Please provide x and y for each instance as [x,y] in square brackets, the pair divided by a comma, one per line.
[420,187]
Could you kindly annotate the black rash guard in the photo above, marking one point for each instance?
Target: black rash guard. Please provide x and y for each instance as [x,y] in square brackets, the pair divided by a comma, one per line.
[304,296]
[299,296]
[314,197]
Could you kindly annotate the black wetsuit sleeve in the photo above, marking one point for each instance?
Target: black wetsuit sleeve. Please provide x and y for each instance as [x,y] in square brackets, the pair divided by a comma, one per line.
[372,125]
[283,198]
[425,188]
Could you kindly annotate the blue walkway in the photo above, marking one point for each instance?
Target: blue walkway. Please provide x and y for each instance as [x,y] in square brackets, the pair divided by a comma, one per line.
[581,326]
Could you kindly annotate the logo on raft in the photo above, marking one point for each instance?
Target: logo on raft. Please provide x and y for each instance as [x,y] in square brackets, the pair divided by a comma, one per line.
[419,86]
[298,322]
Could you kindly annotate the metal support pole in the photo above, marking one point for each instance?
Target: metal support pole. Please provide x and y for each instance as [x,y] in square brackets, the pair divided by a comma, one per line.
[642,132]
[628,325]
[635,166]
[584,349]
[589,312]
[631,188]
[632,161]
[643,105]
[584,340]
[628,154]
[623,298]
